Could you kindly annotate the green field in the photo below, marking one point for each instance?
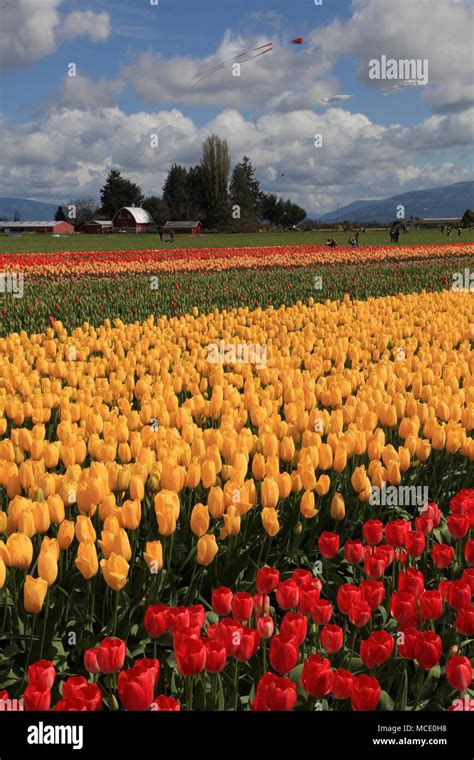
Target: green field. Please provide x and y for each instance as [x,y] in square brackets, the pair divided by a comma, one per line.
[40,243]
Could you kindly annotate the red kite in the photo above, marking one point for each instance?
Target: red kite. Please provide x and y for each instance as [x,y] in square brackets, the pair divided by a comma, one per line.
[297,41]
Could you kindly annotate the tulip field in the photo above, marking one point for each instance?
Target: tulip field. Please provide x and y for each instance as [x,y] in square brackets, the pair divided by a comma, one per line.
[238,480]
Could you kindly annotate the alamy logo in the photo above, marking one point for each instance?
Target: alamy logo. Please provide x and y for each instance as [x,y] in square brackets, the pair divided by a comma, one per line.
[399,496]
[402,69]
[44,734]
[12,282]
[11,705]
[463,281]
[240,353]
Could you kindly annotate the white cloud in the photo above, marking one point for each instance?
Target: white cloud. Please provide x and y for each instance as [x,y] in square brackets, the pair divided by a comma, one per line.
[96,26]
[33,29]
[81,92]
[437,30]
[70,152]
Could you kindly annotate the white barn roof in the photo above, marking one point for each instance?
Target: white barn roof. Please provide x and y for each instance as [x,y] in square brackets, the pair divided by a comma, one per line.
[30,224]
[139,214]
[181,224]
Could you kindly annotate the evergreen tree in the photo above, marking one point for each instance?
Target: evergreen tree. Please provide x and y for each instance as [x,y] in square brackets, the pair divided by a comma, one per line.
[118,192]
[60,216]
[158,208]
[245,196]
[175,193]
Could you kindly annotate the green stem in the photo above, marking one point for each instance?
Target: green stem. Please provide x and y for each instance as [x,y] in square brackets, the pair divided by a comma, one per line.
[45,621]
[114,624]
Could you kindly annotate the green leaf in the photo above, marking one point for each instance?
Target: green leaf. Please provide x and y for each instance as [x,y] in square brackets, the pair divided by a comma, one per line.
[386,702]
[431,682]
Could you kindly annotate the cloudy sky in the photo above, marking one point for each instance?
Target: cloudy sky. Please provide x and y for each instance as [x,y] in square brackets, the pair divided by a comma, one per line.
[136,62]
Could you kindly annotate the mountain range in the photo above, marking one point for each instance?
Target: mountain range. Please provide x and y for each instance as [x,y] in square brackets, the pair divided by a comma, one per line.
[437,202]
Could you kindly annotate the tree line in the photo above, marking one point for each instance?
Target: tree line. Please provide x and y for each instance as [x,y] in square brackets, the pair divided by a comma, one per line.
[209,192]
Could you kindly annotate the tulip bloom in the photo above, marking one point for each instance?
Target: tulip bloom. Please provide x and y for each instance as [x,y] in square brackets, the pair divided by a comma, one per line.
[206,549]
[222,600]
[248,644]
[428,649]
[216,655]
[442,555]
[91,662]
[372,531]
[156,620]
[377,649]
[372,592]
[34,593]
[153,556]
[135,687]
[431,605]
[328,544]
[342,684]
[37,697]
[459,594]
[331,638]
[283,652]
[287,594]
[242,606]
[295,624]
[321,611]
[115,571]
[353,551]
[275,693]
[346,595]
[165,704]
[111,655]
[360,613]
[42,674]
[406,648]
[20,550]
[465,620]
[317,677]
[365,694]
[190,657]
[459,673]
[267,579]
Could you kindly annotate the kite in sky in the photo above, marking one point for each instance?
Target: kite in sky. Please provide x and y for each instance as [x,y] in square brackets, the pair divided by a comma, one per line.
[246,55]
[333,99]
[397,87]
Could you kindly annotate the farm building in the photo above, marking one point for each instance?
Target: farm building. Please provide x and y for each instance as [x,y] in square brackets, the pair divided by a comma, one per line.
[133,219]
[184,228]
[440,221]
[96,227]
[53,228]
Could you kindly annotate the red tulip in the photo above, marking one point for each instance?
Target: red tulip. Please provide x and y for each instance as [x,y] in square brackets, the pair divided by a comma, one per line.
[267,579]
[412,581]
[178,619]
[424,524]
[395,532]
[283,652]
[442,555]
[415,543]
[36,697]
[372,531]
[228,631]
[347,594]
[465,620]
[359,614]
[302,577]
[372,592]
[459,673]
[165,704]
[403,607]
[190,657]
[375,565]
[91,663]
[156,620]
[42,674]
[468,577]
[353,552]
[342,684]
[275,693]
[77,690]
[321,611]
[135,688]
[111,655]
[222,600]
[406,648]
[428,649]
[242,606]
[295,624]
[317,677]
[216,655]
[458,525]
[377,649]
[459,594]
[248,645]
[431,605]
[469,551]
[287,594]
[365,693]
[153,666]
[328,544]
[197,616]
[309,595]
[265,627]
[331,638]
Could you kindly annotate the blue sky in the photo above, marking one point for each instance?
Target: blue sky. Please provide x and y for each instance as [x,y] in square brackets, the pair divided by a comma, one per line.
[136,62]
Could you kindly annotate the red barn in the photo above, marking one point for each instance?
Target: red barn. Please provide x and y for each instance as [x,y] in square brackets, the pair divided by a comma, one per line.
[184,228]
[96,227]
[132,219]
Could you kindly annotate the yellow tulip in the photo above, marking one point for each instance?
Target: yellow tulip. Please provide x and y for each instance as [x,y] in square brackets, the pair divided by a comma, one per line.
[115,571]
[270,521]
[41,516]
[66,534]
[206,549]
[85,531]
[3,573]
[56,508]
[153,555]
[270,493]
[216,502]
[47,567]
[34,594]
[50,545]
[232,521]
[323,485]
[131,514]
[338,509]
[199,520]
[86,560]
[307,505]
[20,550]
